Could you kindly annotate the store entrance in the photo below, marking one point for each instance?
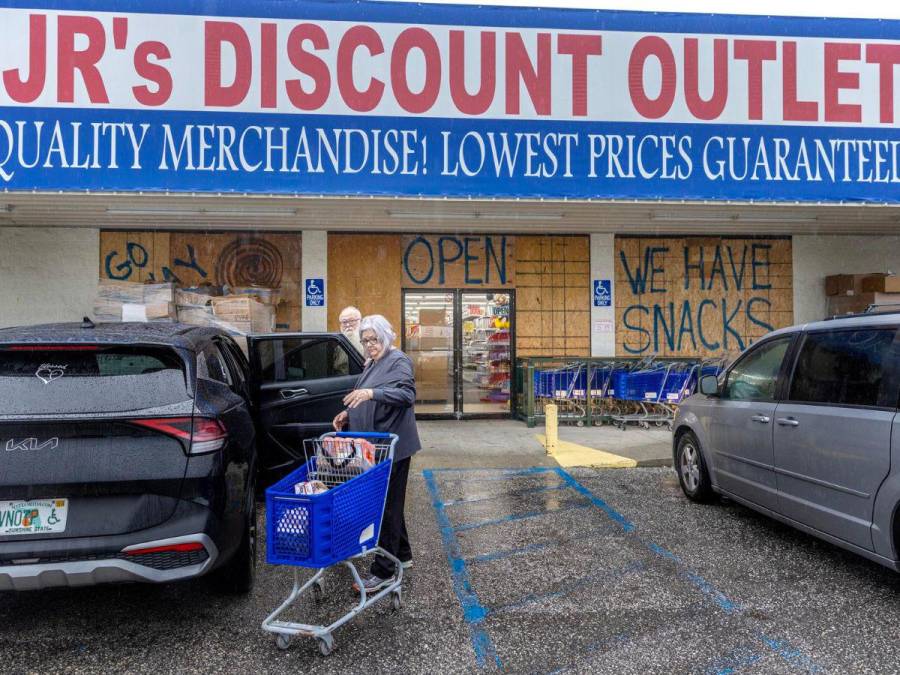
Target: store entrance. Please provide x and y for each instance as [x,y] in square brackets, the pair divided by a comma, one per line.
[461,345]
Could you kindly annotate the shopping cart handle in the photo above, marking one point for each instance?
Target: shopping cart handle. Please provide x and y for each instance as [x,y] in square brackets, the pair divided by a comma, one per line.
[362,434]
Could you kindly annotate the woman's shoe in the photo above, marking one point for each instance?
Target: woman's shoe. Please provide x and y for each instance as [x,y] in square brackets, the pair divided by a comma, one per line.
[373,583]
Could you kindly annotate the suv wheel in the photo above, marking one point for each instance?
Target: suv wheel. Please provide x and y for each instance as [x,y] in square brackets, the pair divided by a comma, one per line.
[236,577]
[692,473]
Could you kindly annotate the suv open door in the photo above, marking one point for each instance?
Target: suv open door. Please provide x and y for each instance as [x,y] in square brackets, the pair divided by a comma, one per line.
[299,381]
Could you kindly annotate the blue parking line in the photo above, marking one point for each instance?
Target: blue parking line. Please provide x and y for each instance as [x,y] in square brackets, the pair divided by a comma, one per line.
[531,548]
[473,612]
[793,656]
[523,471]
[596,501]
[571,587]
[517,516]
[504,474]
[502,495]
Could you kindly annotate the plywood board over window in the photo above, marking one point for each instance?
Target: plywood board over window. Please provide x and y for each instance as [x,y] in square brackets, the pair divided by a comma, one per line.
[552,296]
[700,296]
[217,259]
[364,271]
[459,261]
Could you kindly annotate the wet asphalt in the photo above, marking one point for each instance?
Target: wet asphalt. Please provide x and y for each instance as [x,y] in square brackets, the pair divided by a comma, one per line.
[522,570]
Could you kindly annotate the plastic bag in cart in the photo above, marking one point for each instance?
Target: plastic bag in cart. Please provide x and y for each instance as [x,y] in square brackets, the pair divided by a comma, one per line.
[354,454]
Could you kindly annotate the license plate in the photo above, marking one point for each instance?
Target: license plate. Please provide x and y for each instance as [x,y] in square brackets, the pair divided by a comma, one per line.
[37,516]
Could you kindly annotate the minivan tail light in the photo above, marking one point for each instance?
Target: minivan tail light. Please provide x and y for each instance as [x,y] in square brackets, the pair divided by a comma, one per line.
[201,434]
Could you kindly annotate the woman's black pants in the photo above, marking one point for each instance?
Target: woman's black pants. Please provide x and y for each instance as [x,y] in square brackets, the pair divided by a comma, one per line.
[394,538]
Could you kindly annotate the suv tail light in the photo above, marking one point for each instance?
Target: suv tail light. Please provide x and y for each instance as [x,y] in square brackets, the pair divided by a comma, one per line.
[201,434]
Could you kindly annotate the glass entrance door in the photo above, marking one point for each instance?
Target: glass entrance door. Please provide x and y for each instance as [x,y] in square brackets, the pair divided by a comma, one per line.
[460,343]
[486,354]
[429,322]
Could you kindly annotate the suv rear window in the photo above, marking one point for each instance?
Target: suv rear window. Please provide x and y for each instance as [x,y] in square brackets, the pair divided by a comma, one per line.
[845,367]
[66,379]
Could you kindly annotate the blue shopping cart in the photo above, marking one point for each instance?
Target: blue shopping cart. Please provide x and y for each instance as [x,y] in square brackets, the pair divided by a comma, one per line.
[653,392]
[325,514]
[566,387]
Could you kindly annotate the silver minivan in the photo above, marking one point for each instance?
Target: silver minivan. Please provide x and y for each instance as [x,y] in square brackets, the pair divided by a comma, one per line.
[804,427]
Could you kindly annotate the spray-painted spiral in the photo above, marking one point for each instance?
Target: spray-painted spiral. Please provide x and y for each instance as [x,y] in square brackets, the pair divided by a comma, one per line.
[250,262]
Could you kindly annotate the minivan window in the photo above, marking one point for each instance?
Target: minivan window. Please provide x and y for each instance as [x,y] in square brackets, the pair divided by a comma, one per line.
[754,377]
[89,378]
[843,367]
[290,359]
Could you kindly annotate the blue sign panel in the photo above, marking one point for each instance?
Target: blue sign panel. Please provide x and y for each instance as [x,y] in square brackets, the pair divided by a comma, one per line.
[602,293]
[389,99]
[315,293]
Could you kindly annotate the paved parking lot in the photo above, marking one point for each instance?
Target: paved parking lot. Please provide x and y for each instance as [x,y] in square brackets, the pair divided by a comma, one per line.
[535,570]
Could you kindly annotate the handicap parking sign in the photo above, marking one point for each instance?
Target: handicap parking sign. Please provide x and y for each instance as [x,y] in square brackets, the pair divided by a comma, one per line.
[602,293]
[315,293]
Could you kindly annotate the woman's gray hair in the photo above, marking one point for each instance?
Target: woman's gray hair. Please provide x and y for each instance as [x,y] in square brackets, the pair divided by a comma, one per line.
[382,329]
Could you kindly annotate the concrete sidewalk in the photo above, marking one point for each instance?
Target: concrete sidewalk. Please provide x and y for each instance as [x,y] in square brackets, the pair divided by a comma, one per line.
[509,443]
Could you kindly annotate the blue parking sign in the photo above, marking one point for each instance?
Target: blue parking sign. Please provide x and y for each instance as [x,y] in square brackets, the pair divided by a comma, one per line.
[602,293]
[315,292]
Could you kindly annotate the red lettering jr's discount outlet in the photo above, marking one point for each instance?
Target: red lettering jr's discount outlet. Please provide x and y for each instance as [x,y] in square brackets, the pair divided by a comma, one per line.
[505,185]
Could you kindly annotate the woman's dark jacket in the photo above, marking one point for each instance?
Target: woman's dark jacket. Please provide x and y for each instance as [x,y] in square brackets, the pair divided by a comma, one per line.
[391,410]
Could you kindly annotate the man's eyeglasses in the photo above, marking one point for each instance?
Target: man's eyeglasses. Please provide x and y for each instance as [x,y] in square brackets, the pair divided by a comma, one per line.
[349,322]
[369,341]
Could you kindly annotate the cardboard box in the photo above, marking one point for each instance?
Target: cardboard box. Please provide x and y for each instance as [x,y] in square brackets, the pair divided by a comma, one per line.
[432,373]
[245,314]
[267,296]
[881,283]
[840,284]
[185,298]
[124,300]
[857,304]
[854,284]
[432,317]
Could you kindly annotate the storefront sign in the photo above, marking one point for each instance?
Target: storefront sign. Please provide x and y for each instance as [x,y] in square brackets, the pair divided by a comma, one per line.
[464,261]
[602,293]
[700,296]
[315,292]
[404,99]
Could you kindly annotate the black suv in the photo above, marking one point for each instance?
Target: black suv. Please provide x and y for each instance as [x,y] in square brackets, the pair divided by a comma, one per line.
[130,452]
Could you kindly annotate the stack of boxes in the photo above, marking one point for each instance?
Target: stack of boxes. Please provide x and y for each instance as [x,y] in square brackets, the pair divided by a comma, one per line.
[240,312]
[124,301]
[432,350]
[855,293]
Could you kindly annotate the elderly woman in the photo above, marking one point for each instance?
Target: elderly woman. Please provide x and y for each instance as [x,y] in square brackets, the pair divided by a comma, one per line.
[383,401]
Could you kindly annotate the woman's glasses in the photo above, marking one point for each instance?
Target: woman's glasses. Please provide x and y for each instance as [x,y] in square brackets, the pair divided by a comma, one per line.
[369,341]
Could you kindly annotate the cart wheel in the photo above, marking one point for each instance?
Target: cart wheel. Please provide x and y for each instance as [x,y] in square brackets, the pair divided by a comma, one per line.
[579,423]
[318,590]
[644,425]
[670,426]
[326,644]
[396,601]
[282,641]
[660,424]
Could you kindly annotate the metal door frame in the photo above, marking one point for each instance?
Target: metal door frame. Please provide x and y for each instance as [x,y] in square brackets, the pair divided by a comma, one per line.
[456,348]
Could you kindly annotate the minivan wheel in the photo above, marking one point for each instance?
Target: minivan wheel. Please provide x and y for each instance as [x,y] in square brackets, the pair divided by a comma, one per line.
[237,576]
[692,473]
